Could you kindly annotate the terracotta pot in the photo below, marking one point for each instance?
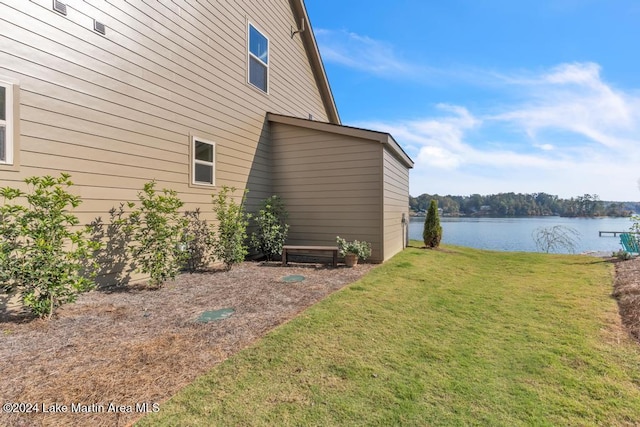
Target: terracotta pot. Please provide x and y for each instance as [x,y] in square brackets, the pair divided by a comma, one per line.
[350,259]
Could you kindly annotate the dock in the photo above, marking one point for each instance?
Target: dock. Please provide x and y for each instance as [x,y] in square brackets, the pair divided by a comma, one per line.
[613,233]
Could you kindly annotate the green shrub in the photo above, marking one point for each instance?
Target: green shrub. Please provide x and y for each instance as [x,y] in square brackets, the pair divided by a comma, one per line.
[229,242]
[41,258]
[622,255]
[272,229]
[361,249]
[635,226]
[432,233]
[156,228]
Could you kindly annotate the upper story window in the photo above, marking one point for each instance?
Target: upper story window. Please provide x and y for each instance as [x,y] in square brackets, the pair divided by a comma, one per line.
[204,156]
[258,59]
[6,123]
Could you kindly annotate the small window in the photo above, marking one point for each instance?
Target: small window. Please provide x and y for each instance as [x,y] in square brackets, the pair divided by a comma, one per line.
[204,155]
[258,59]
[6,123]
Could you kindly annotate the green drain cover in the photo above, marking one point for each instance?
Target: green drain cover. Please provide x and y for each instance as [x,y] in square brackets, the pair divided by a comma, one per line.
[210,316]
[293,278]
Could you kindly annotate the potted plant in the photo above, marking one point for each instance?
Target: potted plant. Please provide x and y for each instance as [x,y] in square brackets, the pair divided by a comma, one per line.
[352,251]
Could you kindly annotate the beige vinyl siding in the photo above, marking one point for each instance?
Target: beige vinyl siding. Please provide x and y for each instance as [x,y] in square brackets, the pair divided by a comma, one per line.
[396,203]
[331,185]
[122,107]
[119,110]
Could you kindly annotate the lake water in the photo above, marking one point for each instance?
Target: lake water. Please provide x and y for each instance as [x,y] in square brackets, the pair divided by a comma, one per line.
[516,234]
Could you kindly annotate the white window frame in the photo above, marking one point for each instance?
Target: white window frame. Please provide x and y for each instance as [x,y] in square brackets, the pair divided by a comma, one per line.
[195,161]
[8,123]
[251,55]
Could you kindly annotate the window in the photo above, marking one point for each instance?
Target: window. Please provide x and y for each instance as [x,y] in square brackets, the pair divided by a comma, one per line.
[204,155]
[6,123]
[258,59]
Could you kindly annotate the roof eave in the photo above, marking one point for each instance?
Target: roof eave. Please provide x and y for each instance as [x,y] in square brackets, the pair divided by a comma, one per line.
[311,46]
[398,150]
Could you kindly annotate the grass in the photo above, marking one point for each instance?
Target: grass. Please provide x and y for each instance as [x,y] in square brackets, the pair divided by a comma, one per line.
[451,337]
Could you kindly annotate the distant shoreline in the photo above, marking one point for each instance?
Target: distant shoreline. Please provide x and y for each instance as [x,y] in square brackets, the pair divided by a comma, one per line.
[462,215]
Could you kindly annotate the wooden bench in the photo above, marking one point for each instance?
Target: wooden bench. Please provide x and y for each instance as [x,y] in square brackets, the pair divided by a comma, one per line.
[287,249]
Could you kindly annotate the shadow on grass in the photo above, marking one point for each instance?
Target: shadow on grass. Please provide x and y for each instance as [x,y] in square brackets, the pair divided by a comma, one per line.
[446,250]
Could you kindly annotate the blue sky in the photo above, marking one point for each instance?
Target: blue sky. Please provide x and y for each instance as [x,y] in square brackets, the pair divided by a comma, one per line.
[492,96]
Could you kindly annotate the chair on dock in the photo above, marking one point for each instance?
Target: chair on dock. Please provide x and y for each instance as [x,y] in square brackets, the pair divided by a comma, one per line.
[629,243]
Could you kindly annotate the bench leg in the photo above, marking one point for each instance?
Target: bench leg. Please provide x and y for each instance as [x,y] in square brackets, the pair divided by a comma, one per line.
[335,258]
[284,257]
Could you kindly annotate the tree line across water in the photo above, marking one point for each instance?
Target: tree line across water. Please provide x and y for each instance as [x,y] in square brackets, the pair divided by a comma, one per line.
[518,204]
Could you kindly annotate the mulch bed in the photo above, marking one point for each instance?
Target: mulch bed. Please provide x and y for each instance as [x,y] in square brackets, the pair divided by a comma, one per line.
[626,289]
[136,345]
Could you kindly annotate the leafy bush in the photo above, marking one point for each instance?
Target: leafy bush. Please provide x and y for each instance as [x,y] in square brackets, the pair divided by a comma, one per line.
[41,258]
[272,229]
[197,241]
[621,255]
[635,226]
[361,249]
[432,233]
[229,242]
[551,239]
[157,228]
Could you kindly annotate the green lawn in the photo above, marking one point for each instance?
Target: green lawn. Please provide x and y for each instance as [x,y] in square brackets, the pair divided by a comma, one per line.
[451,337]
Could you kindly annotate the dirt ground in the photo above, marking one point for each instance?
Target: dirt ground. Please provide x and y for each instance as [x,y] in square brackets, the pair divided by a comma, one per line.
[138,346]
[626,289]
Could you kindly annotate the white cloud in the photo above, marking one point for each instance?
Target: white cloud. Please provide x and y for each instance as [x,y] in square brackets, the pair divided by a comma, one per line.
[574,98]
[545,147]
[570,133]
[438,157]
[442,142]
[362,53]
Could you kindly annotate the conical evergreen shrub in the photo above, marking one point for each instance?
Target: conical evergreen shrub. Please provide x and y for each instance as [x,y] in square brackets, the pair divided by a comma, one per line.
[432,233]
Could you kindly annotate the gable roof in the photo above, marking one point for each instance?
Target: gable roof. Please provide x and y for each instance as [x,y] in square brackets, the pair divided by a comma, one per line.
[310,45]
[371,135]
